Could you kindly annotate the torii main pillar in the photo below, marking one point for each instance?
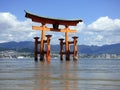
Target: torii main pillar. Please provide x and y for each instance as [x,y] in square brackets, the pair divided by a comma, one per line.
[55,23]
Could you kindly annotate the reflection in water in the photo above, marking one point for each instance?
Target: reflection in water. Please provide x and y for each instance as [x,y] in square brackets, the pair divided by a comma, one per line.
[51,77]
[69,76]
[81,75]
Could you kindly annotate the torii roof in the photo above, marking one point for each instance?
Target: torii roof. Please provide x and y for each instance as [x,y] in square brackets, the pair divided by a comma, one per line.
[46,20]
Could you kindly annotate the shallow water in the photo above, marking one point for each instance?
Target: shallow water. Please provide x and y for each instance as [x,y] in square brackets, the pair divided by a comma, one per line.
[85,74]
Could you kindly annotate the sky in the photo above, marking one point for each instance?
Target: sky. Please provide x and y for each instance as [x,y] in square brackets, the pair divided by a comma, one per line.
[100,26]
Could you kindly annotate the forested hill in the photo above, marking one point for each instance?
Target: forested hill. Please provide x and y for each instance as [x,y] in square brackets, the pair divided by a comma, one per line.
[28,46]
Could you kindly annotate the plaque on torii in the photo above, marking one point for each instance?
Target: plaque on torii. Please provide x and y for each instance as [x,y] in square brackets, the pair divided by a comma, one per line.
[56,28]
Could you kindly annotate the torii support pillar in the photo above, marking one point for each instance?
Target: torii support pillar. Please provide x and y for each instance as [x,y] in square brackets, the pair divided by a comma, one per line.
[75,51]
[61,48]
[42,51]
[42,43]
[67,44]
[36,49]
[68,53]
[48,48]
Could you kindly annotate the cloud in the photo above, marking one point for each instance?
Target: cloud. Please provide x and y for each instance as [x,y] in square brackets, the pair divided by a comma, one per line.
[105,24]
[80,26]
[11,29]
[102,31]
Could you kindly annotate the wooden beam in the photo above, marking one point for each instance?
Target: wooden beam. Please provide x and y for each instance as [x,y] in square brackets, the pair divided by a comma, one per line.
[51,29]
[70,42]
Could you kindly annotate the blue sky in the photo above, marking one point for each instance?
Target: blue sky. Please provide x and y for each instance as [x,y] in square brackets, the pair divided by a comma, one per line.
[88,10]
[101,18]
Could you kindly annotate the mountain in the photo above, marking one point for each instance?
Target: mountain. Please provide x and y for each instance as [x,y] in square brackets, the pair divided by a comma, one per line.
[109,49]
[28,46]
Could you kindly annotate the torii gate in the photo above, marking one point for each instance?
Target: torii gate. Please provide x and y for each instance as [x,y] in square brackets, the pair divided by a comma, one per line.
[44,28]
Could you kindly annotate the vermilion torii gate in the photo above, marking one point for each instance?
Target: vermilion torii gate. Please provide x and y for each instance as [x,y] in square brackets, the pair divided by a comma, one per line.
[44,28]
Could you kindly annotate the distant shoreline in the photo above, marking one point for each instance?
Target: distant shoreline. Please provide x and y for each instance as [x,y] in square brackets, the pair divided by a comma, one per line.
[20,55]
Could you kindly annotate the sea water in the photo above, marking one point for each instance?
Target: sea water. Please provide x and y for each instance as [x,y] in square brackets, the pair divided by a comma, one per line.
[84,74]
